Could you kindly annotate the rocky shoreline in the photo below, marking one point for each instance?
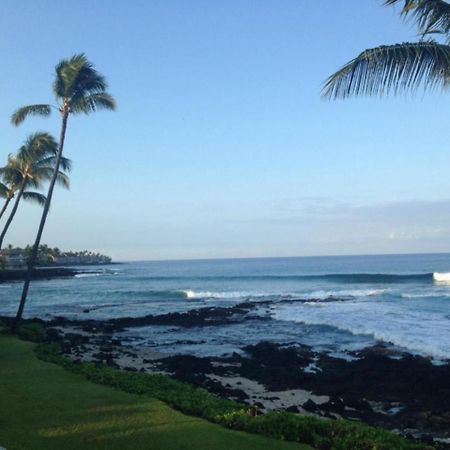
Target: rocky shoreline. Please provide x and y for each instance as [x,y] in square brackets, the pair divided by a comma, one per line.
[377,385]
[8,275]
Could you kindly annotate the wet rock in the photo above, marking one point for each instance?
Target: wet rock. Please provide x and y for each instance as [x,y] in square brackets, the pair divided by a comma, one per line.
[427,439]
[293,409]
[274,366]
[310,406]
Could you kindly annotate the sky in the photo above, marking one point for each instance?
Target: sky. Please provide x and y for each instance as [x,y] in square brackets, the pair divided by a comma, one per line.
[221,145]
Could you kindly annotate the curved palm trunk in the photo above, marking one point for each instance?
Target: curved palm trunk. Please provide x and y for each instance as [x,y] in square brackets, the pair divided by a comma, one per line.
[12,214]
[34,252]
[5,205]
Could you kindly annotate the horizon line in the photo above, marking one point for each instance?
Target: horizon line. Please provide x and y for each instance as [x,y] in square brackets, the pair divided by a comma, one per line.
[282,257]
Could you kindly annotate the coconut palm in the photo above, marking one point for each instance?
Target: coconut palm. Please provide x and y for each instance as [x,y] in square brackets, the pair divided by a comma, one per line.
[78,88]
[31,167]
[400,67]
[11,184]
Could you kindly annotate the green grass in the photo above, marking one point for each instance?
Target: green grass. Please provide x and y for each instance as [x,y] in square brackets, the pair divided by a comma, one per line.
[44,407]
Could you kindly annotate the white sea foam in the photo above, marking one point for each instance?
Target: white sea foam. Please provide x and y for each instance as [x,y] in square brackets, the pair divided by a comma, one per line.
[191,294]
[316,295]
[427,294]
[343,293]
[426,333]
[88,275]
[441,276]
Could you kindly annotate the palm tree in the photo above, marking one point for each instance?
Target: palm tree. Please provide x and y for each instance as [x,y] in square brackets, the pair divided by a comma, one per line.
[11,186]
[400,67]
[33,165]
[78,88]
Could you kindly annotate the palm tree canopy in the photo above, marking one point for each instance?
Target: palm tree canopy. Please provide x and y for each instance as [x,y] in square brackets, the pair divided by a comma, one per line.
[402,67]
[431,16]
[10,173]
[34,163]
[78,88]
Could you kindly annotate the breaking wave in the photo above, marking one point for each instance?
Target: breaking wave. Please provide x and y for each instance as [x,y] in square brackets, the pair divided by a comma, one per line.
[314,295]
[441,276]
[89,275]
[191,295]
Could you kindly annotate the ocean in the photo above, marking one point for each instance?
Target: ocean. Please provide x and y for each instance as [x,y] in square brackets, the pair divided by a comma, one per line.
[335,304]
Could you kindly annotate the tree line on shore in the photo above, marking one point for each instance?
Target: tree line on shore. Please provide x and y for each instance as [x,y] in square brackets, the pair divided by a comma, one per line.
[78,89]
[16,257]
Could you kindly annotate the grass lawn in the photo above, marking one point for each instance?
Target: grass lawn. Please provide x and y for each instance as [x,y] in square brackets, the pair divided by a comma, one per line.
[44,407]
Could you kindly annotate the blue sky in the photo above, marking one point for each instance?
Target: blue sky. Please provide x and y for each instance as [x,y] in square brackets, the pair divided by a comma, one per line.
[221,145]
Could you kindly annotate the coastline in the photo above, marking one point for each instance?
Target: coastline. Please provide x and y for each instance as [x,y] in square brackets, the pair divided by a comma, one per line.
[382,387]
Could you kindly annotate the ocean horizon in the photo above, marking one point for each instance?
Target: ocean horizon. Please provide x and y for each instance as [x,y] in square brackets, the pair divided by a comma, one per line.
[352,255]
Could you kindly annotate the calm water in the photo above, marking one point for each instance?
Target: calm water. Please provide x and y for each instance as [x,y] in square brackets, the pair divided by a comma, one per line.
[350,301]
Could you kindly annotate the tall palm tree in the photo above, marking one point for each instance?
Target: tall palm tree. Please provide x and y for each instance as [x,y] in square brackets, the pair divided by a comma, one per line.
[400,67]
[78,88]
[31,167]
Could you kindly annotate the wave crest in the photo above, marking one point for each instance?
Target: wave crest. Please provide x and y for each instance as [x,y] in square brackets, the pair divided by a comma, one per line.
[441,276]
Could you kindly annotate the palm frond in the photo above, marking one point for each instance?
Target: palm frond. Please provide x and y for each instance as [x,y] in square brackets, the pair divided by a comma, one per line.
[88,80]
[93,102]
[34,197]
[392,69]
[65,163]
[431,16]
[4,190]
[34,110]
[63,180]
[45,173]
[36,182]
[62,79]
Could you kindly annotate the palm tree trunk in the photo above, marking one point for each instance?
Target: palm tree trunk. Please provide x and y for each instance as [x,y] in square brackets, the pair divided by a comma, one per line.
[13,213]
[34,252]
[5,205]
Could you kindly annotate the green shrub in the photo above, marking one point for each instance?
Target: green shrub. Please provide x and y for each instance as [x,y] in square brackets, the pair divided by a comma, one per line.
[322,434]
[34,332]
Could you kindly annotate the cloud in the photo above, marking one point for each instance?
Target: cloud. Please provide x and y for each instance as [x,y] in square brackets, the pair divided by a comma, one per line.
[327,209]
[330,225]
